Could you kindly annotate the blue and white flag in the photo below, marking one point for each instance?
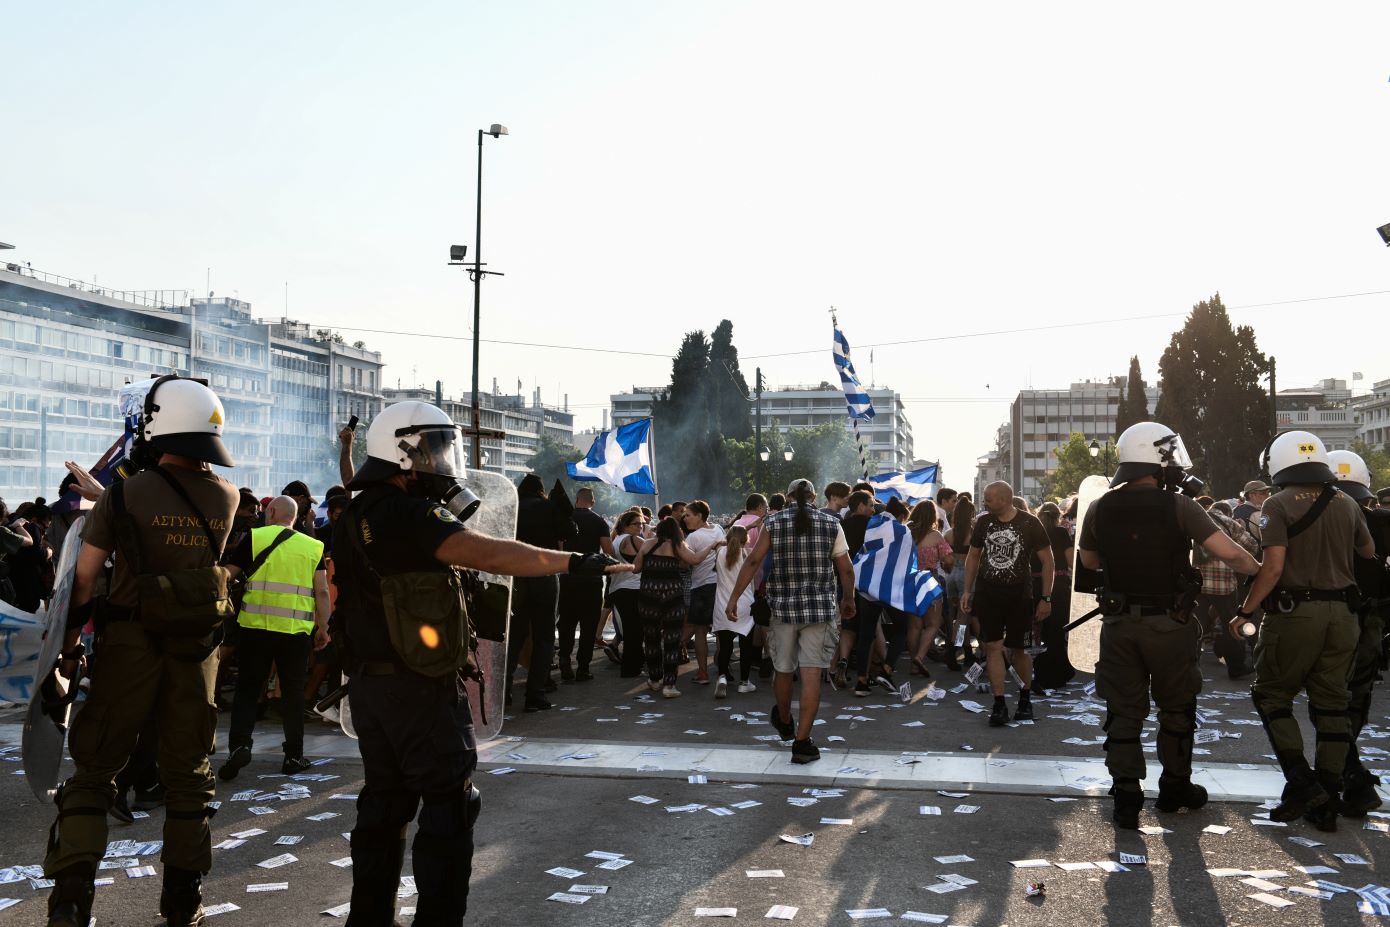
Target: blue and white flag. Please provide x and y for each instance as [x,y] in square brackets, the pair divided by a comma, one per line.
[885,569]
[860,406]
[621,457]
[912,486]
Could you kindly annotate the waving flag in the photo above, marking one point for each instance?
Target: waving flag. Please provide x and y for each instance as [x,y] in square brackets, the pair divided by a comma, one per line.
[621,457]
[885,569]
[912,486]
[860,406]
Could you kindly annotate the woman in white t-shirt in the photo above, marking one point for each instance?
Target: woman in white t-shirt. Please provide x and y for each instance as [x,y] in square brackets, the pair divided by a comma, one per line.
[727,564]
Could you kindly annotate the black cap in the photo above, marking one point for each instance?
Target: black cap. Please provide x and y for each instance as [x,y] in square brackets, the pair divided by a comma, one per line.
[297,488]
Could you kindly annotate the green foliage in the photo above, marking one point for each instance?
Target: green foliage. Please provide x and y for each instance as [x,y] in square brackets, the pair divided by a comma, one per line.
[728,390]
[1211,395]
[820,454]
[1134,401]
[1075,463]
[1377,461]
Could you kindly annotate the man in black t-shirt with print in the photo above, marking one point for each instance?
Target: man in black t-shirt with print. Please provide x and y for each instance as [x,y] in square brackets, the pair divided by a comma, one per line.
[1001,546]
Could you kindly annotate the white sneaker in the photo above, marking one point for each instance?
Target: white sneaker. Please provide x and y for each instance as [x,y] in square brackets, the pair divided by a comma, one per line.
[654,686]
[671,692]
[746,686]
[721,688]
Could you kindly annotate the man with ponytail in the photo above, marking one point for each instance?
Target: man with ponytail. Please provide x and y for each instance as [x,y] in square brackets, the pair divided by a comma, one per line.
[809,555]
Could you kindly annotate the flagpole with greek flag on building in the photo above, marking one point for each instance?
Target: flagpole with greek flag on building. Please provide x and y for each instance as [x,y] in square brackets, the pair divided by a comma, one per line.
[856,398]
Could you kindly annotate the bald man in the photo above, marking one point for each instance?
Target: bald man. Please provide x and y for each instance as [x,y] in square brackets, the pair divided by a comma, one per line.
[284,613]
[998,588]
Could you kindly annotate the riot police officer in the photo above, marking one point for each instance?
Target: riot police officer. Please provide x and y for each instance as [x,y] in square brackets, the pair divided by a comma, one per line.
[397,551]
[156,652]
[1140,537]
[1311,534]
[1354,478]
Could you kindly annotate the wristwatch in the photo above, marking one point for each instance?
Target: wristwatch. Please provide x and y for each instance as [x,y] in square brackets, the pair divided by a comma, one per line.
[1046,598]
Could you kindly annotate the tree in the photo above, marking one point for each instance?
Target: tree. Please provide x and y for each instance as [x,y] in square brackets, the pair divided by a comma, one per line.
[1134,400]
[820,454]
[1075,463]
[550,458]
[1209,378]
[1377,461]
[728,390]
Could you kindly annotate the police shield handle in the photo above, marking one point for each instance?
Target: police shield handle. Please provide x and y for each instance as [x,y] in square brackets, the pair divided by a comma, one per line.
[1083,641]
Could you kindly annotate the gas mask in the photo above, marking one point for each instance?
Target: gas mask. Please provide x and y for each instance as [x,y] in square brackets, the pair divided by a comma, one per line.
[437,462]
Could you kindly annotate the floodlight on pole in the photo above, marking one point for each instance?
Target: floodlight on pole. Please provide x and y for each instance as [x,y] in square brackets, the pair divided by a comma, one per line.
[1094,448]
[764,454]
[1384,231]
[789,453]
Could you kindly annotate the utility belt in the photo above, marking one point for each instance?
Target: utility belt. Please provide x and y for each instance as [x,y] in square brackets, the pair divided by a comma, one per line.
[1284,601]
[1141,606]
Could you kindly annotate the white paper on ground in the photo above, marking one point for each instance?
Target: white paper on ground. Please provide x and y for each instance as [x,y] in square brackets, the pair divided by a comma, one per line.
[567,898]
[716,912]
[781,912]
[275,862]
[1219,829]
[268,887]
[957,879]
[589,889]
[804,840]
[139,872]
[1109,865]
[1262,884]
[952,860]
[929,809]
[1307,842]
[1227,873]
[1271,900]
[322,816]
[967,809]
[613,865]
[1310,892]
[860,914]
[720,812]
[287,841]
[1153,830]
[225,907]
[952,794]
[849,821]
[745,805]
[1351,859]
[923,918]
[564,873]
[1030,864]
[943,888]
[644,799]
[1075,867]
[603,854]
[1134,859]
[244,834]
[343,863]
[1316,870]
[764,873]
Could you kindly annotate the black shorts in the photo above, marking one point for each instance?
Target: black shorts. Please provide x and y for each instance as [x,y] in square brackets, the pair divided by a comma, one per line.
[1005,612]
[702,605]
[866,616]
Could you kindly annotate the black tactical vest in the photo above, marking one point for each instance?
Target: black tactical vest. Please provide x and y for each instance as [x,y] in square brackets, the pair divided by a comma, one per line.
[1142,550]
[1371,576]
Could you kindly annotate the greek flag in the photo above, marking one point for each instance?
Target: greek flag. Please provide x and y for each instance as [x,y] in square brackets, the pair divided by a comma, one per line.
[860,406]
[912,486]
[621,457]
[885,569]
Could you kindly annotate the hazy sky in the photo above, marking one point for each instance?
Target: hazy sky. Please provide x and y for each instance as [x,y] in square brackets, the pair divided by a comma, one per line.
[929,169]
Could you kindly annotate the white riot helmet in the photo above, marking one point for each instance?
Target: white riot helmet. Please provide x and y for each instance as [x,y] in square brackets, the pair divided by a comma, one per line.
[1296,457]
[1353,476]
[1151,449]
[417,437]
[182,416]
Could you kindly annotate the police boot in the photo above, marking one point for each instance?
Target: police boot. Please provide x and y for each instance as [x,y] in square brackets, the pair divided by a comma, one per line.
[70,901]
[1359,794]
[1324,816]
[1129,801]
[1174,794]
[181,899]
[1301,793]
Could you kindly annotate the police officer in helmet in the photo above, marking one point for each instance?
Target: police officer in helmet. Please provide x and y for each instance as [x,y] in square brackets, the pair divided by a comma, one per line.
[398,548]
[1140,537]
[1359,794]
[1312,534]
[167,527]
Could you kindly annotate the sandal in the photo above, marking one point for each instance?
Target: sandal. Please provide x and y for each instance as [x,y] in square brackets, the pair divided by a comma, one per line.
[920,668]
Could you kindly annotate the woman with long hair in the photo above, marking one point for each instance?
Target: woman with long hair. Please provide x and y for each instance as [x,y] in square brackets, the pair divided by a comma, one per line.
[661,601]
[932,551]
[727,566]
[959,625]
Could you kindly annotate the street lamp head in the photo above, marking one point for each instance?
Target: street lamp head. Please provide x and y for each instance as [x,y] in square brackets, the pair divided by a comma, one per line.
[9,247]
[457,253]
[497,130]
[1384,231]
[789,453]
[1095,448]
[764,454]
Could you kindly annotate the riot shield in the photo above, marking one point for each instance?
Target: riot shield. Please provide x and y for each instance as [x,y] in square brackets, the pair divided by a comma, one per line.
[50,706]
[1083,643]
[496,517]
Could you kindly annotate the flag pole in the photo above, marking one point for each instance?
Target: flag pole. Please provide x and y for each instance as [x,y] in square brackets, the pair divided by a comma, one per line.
[651,446]
[858,438]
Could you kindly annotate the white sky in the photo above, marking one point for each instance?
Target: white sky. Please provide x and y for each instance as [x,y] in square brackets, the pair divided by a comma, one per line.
[928,169]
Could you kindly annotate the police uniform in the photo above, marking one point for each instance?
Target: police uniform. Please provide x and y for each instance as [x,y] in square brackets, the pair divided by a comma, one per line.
[1310,631]
[1374,584]
[1149,641]
[171,521]
[415,732]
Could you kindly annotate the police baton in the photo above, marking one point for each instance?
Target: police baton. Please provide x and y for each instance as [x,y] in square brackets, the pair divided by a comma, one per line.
[332,698]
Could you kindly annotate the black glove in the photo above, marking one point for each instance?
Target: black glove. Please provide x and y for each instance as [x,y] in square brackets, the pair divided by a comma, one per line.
[590,564]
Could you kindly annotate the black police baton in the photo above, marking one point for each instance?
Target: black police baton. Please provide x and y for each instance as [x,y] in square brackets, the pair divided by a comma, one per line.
[332,698]
[1082,620]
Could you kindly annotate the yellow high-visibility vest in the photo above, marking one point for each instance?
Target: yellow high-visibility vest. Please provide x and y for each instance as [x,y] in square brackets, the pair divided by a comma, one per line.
[280,595]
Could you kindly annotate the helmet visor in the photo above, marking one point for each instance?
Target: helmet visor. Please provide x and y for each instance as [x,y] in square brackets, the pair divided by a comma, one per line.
[439,451]
[1172,452]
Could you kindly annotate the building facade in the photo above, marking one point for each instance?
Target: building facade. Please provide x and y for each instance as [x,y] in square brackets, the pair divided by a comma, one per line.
[887,437]
[1324,409]
[1372,414]
[1040,421]
[67,346]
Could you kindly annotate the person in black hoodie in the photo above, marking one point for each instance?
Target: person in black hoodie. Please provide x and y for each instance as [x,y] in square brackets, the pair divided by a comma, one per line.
[538,523]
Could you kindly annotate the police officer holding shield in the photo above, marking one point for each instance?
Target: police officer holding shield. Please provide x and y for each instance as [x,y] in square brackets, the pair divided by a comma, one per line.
[1140,537]
[159,629]
[1312,534]
[397,549]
